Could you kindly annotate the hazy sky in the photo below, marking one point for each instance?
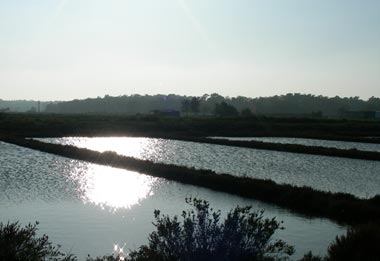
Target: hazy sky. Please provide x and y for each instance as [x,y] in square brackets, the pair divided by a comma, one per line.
[65,49]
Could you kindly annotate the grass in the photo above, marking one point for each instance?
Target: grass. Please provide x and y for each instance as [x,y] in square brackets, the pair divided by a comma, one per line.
[56,125]
[195,129]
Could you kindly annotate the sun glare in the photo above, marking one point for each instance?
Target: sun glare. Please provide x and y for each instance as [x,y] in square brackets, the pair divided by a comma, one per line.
[112,188]
[132,147]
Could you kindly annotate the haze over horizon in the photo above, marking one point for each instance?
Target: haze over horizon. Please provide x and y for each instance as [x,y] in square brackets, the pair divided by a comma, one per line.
[167,94]
[74,49]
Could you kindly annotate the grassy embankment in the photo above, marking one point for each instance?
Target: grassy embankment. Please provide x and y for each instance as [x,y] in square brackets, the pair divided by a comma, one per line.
[57,125]
[194,129]
[343,208]
[340,207]
[294,148]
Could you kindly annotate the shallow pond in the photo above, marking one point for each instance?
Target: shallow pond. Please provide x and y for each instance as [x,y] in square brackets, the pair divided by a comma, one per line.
[89,209]
[358,177]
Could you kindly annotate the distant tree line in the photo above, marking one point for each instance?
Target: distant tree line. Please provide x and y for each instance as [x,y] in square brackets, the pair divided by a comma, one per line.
[22,106]
[214,104]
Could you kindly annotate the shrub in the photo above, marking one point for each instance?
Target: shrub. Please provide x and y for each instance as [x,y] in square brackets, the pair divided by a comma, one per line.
[310,257]
[21,243]
[244,235]
[359,243]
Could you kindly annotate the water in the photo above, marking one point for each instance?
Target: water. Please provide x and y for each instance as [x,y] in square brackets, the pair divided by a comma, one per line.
[346,145]
[357,177]
[89,209]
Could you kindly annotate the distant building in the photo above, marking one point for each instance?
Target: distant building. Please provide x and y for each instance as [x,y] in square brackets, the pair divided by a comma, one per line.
[361,114]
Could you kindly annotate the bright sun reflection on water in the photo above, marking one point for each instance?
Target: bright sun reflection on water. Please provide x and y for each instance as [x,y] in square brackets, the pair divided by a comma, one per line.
[134,147]
[110,187]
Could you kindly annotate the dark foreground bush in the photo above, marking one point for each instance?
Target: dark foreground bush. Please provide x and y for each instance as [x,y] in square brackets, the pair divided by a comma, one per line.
[310,257]
[22,243]
[359,243]
[243,235]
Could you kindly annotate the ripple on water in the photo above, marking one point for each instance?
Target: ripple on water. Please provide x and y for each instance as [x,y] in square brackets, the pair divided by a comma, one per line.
[358,177]
[89,208]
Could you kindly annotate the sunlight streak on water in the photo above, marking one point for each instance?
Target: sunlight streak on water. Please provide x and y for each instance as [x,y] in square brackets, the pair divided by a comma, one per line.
[132,146]
[112,188]
[120,252]
[357,177]
[90,209]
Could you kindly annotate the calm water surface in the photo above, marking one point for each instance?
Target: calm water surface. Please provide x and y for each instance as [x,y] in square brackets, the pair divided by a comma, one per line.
[358,177]
[89,208]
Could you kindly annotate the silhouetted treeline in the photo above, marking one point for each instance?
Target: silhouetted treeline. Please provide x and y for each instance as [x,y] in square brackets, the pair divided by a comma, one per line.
[282,105]
[22,106]
[132,104]
[215,104]
[313,105]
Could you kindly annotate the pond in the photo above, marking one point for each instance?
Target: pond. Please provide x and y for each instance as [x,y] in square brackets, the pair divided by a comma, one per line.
[89,209]
[357,177]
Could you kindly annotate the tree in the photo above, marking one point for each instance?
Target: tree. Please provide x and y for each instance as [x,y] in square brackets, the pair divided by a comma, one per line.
[244,235]
[225,110]
[21,243]
[194,105]
[359,243]
[246,112]
[191,105]
[185,106]
[32,110]
[310,257]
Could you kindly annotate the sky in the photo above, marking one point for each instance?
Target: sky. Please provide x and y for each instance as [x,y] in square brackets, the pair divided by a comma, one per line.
[74,49]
